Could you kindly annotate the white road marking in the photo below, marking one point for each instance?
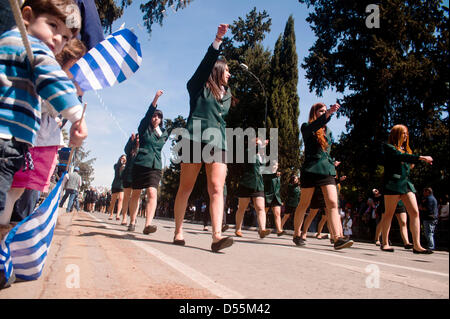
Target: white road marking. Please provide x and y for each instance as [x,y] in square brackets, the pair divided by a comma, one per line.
[204,281]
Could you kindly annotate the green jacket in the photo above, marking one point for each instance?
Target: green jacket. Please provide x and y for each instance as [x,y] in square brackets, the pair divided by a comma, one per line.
[397,169]
[126,174]
[317,160]
[272,187]
[203,105]
[117,181]
[150,144]
[252,177]
[293,195]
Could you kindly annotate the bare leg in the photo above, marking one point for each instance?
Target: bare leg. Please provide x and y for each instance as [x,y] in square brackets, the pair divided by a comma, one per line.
[243,204]
[150,208]
[134,205]
[277,217]
[409,199]
[215,176]
[259,203]
[322,222]
[402,218]
[378,230]
[119,204]
[305,199]
[331,202]
[126,201]
[285,219]
[390,204]
[308,221]
[188,176]
[113,203]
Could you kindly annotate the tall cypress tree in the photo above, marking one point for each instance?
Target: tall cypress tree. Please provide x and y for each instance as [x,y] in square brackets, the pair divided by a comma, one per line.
[284,110]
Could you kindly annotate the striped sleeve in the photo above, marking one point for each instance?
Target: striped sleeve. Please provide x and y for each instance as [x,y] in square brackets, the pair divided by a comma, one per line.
[53,85]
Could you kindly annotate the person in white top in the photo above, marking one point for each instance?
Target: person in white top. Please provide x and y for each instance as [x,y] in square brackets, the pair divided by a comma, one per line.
[347,224]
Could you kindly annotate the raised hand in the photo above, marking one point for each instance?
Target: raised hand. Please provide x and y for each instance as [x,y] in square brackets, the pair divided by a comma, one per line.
[221,30]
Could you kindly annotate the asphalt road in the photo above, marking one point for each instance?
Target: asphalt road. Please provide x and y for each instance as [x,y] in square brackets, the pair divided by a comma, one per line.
[93,257]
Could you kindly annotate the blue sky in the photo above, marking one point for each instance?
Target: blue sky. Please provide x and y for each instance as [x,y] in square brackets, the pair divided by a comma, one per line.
[170,56]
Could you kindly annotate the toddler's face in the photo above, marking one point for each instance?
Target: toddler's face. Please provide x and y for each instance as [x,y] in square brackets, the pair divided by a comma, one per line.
[50,30]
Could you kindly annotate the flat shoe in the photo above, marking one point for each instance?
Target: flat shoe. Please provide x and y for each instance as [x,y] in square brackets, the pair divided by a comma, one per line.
[391,250]
[179,242]
[225,228]
[221,244]
[409,246]
[281,233]
[264,233]
[298,241]
[131,227]
[238,233]
[426,251]
[342,243]
[150,229]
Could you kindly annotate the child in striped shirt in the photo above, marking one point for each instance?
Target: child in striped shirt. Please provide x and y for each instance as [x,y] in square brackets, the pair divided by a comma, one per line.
[50,25]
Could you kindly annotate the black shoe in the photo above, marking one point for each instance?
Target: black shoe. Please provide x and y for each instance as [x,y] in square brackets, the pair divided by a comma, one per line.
[225,228]
[298,241]
[149,229]
[281,233]
[426,251]
[409,246]
[131,227]
[221,244]
[343,243]
[179,242]
[391,250]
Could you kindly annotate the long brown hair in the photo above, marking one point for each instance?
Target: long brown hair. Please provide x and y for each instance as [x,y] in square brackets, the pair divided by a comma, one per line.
[395,138]
[215,80]
[320,133]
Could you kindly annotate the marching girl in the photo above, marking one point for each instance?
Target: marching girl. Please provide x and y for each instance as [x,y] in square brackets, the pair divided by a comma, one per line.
[319,171]
[397,166]
[210,101]
[130,150]
[117,187]
[251,187]
[147,165]
[272,188]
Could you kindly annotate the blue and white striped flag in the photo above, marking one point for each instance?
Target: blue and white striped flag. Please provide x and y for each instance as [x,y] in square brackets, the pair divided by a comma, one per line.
[25,247]
[111,61]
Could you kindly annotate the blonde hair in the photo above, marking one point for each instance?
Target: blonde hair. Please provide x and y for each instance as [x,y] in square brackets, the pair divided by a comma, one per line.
[395,138]
[320,133]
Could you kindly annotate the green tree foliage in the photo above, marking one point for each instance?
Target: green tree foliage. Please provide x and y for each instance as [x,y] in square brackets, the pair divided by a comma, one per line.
[80,159]
[110,10]
[154,11]
[393,74]
[244,46]
[284,101]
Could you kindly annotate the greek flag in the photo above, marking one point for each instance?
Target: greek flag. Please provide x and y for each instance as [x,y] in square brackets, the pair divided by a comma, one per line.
[111,61]
[25,247]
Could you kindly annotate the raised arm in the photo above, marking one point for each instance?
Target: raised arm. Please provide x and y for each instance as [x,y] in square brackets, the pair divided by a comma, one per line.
[201,75]
[145,122]
[391,152]
[310,128]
